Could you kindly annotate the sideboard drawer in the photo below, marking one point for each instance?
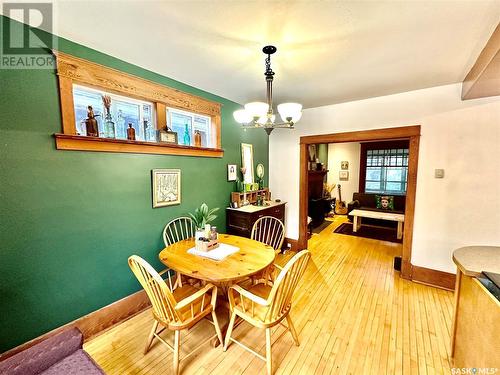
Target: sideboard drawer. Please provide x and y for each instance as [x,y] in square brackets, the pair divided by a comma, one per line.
[239,221]
[278,212]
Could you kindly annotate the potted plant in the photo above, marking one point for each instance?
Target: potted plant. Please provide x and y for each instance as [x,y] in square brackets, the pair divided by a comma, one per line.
[202,217]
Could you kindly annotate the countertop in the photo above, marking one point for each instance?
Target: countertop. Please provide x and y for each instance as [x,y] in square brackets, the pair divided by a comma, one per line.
[472,260]
[252,208]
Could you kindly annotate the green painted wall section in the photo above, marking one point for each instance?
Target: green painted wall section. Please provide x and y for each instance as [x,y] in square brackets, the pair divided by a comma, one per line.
[69,219]
[322,152]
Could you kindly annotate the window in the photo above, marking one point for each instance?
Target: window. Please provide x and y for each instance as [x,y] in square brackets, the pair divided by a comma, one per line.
[386,170]
[180,121]
[124,111]
[136,101]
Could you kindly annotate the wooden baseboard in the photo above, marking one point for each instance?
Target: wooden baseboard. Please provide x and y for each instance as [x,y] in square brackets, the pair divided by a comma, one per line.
[294,244]
[435,278]
[95,322]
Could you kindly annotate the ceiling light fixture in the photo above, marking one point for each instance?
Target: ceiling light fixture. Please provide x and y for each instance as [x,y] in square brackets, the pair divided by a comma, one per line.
[260,114]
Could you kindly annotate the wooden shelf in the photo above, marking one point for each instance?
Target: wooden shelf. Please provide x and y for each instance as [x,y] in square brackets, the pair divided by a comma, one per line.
[84,143]
[236,196]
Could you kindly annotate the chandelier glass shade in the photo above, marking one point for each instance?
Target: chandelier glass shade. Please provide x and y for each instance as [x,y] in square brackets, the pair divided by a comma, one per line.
[261,114]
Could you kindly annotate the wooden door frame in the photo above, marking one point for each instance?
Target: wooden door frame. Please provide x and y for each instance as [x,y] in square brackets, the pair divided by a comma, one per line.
[412,133]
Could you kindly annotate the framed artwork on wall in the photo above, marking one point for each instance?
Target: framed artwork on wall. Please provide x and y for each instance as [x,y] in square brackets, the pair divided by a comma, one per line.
[344,165]
[344,175]
[232,172]
[166,187]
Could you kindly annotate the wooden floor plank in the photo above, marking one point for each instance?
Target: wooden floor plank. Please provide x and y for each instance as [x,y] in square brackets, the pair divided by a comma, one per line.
[352,311]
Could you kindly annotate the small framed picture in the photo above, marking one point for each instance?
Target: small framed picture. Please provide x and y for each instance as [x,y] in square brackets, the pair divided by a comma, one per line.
[344,175]
[167,136]
[232,172]
[166,187]
[344,165]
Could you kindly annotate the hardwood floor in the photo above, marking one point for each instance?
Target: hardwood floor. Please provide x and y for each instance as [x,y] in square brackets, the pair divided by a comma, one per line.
[352,312]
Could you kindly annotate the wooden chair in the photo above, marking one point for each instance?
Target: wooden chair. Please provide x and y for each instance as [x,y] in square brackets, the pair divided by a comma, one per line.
[177,230]
[270,231]
[265,306]
[175,309]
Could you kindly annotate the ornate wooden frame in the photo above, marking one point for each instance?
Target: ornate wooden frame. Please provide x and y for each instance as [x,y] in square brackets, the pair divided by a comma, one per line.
[71,70]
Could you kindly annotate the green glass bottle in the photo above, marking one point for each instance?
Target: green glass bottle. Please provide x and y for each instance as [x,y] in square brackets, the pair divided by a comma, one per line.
[109,126]
[187,137]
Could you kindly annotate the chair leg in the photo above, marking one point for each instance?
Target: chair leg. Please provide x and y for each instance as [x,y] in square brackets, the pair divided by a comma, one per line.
[229,330]
[269,364]
[151,336]
[292,330]
[178,280]
[217,328]
[176,351]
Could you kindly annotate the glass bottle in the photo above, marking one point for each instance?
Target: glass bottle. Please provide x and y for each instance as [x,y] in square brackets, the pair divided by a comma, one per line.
[145,127]
[109,126]
[197,138]
[213,234]
[121,128]
[130,133]
[187,138]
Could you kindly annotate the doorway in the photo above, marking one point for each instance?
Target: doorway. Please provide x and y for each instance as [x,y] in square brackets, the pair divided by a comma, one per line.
[410,133]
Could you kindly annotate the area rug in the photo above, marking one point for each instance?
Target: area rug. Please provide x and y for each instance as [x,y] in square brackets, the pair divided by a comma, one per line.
[376,233]
[319,228]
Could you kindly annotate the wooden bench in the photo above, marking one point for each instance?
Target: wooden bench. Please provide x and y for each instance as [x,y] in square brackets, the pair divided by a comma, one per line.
[358,214]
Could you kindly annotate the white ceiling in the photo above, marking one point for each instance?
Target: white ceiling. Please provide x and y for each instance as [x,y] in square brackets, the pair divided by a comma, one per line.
[328,52]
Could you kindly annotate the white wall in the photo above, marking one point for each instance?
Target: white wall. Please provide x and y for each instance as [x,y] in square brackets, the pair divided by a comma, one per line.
[463,137]
[338,152]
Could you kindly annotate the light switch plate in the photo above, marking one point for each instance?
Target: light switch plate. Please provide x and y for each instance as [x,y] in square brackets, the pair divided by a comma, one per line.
[438,173]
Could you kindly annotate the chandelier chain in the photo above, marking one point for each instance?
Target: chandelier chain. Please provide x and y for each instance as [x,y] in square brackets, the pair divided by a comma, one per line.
[269,71]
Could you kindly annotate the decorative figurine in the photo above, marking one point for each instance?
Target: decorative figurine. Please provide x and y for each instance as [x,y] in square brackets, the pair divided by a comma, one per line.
[91,123]
[197,138]
[109,125]
[130,133]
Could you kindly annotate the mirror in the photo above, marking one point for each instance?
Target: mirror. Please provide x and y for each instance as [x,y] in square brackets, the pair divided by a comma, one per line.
[247,162]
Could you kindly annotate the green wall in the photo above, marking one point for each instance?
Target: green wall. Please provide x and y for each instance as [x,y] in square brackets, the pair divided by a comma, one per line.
[70,219]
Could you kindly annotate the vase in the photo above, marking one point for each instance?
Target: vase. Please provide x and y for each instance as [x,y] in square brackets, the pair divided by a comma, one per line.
[199,233]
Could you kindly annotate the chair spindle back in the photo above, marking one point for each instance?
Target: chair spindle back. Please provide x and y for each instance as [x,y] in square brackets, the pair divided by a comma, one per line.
[285,284]
[269,230]
[159,293]
[177,230]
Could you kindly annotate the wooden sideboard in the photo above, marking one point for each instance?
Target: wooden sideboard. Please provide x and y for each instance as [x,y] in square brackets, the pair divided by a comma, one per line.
[239,221]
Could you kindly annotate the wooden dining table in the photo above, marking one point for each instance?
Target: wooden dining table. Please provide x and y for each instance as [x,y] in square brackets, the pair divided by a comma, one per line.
[251,258]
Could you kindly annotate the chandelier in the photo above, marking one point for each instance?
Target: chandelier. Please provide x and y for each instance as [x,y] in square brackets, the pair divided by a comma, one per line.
[260,114]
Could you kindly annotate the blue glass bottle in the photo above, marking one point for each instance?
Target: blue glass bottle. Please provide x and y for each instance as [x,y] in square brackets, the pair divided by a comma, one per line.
[187,137]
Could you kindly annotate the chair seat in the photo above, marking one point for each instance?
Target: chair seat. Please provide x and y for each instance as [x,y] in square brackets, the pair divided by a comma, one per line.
[184,291]
[259,311]
[187,290]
